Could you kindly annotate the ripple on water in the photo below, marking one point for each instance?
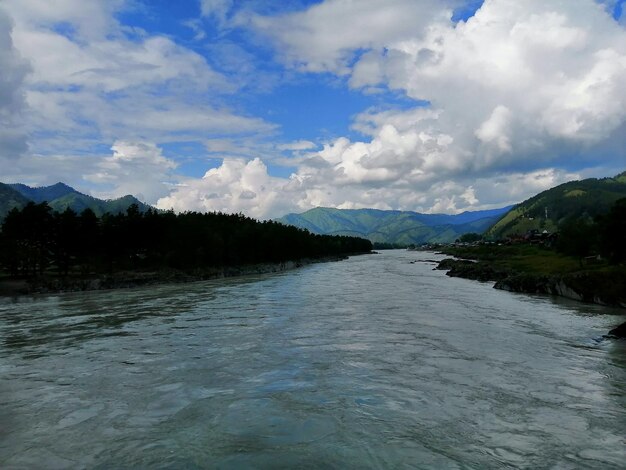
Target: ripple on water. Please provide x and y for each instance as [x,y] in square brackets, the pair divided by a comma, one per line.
[375,362]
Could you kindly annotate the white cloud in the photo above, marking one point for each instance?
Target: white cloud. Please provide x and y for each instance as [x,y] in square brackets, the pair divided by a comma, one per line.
[495,130]
[12,104]
[523,96]
[111,86]
[137,168]
[556,68]
[517,92]
[236,185]
[112,65]
[85,19]
[298,145]
[94,83]
[134,167]
[217,8]
[326,36]
[528,89]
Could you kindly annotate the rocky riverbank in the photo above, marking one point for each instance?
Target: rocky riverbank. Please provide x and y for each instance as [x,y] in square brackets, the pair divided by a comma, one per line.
[127,279]
[599,287]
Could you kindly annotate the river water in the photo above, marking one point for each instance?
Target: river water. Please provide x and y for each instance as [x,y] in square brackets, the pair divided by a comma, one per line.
[374,362]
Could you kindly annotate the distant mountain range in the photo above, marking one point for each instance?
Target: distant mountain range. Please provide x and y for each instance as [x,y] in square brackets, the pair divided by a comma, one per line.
[545,211]
[586,198]
[61,196]
[394,227]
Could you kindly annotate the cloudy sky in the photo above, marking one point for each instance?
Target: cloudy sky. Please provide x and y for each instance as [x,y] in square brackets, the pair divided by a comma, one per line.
[271,106]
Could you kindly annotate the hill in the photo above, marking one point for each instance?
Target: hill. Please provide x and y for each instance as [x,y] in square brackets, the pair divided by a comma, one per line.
[44,193]
[61,196]
[586,198]
[10,198]
[394,227]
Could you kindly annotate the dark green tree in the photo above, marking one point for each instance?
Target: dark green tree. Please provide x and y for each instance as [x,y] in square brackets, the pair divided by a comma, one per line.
[32,237]
[88,241]
[29,233]
[66,240]
[470,237]
[578,237]
[613,232]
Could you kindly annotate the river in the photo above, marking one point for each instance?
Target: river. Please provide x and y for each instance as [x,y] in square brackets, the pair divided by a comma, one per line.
[374,362]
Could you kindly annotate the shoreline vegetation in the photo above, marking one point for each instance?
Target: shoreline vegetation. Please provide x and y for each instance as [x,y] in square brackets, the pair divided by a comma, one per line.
[583,260]
[42,250]
[53,284]
[536,270]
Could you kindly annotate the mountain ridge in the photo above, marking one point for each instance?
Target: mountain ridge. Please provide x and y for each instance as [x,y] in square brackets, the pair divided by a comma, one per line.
[59,197]
[547,210]
[394,226]
[9,199]
[40,194]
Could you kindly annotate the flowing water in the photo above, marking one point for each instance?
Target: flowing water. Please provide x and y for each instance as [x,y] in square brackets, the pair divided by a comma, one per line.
[373,362]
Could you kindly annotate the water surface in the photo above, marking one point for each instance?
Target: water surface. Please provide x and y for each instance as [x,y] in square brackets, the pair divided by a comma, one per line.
[374,362]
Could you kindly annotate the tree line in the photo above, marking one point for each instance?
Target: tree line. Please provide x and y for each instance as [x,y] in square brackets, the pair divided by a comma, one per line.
[36,239]
[603,235]
[582,235]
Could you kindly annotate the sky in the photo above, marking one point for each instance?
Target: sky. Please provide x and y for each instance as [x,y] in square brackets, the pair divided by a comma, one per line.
[266,107]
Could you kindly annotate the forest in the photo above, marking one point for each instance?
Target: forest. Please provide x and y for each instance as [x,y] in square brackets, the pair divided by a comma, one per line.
[604,235]
[35,240]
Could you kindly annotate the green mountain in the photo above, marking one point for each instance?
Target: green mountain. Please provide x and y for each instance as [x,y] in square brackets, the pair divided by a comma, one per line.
[10,198]
[394,227]
[44,193]
[545,211]
[61,196]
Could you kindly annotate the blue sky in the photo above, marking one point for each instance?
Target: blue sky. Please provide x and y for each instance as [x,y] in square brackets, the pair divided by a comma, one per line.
[268,107]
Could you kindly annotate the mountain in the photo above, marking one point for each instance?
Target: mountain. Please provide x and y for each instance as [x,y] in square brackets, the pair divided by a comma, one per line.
[545,211]
[79,202]
[10,198]
[61,196]
[45,193]
[394,227]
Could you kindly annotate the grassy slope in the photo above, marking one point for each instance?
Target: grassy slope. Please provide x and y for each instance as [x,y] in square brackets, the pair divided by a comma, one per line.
[520,258]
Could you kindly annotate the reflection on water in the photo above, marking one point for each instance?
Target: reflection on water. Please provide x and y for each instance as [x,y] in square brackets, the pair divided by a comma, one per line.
[375,362]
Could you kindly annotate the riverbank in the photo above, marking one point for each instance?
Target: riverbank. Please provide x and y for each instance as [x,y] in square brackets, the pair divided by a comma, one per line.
[50,283]
[536,270]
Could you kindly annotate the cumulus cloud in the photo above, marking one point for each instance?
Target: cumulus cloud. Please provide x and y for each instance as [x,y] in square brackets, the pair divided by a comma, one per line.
[520,97]
[520,77]
[529,89]
[237,185]
[74,79]
[495,130]
[240,185]
[12,104]
[137,168]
